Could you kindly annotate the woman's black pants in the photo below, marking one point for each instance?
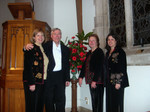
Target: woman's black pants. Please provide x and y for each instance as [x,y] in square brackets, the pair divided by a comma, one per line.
[34,101]
[97,97]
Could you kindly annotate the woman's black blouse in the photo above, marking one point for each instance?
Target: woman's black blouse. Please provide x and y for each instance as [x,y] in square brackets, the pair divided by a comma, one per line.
[116,67]
[33,66]
[95,67]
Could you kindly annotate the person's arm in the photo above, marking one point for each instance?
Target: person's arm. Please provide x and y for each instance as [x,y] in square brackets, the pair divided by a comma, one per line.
[82,73]
[99,61]
[122,65]
[28,63]
[67,65]
[47,46]
[80,81]
[122,62]
[28,47]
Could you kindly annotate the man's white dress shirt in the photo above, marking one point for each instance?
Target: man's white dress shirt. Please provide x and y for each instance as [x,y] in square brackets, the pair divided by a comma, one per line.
[57,57]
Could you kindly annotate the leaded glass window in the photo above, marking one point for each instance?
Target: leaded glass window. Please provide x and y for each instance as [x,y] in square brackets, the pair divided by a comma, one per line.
[117,20]
[141,21]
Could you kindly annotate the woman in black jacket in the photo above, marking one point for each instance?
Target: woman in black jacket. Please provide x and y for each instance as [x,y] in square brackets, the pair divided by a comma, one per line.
[92,70]
[116,75]
[35,73]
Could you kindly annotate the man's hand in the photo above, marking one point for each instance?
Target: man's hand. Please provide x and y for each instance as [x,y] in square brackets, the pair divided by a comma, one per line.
[67,83]
[80,81]
[29,47]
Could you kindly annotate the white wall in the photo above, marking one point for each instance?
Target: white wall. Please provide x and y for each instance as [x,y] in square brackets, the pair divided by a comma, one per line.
[5,15]
[88,15]
[65,17]
[137,95]
[44,11]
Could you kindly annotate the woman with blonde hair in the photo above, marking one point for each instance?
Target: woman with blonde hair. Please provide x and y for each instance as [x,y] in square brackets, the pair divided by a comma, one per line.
[35,73]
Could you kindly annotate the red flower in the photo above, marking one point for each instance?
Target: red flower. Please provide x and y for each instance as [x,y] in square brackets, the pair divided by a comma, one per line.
[81,59]
[81,45]
[74,50]
[73,70]
[84,58]
[74,58]
[79,67]
[76,44]
[82,54]
[85,48]
[73,37]
[69,43]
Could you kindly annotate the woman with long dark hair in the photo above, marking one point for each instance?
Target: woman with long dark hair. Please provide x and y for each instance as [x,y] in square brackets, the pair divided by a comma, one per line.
[116,75]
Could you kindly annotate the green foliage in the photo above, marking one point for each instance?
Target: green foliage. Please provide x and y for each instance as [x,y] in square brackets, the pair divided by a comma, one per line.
[82,36]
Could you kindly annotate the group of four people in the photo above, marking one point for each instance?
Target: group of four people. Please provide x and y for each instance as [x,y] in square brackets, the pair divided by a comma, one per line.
[47,73]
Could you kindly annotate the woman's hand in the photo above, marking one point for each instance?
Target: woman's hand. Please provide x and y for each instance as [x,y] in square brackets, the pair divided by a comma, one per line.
[93,84]
[80,81]
[67,83]
[32,88]
[117,86]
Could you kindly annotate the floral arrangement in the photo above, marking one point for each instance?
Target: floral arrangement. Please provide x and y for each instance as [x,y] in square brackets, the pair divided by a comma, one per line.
[78,50]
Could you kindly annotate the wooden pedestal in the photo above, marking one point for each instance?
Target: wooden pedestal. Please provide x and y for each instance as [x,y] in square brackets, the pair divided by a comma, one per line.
[74,95]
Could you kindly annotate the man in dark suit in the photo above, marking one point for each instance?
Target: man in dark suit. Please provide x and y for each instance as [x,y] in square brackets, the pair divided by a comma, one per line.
[58,73]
